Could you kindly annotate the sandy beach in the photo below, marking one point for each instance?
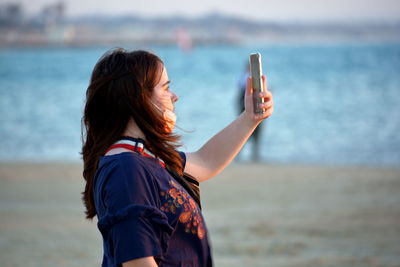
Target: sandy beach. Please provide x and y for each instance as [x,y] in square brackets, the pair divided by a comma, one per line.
[257,215]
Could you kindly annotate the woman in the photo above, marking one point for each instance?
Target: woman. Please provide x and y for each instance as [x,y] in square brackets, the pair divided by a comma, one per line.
[141,188]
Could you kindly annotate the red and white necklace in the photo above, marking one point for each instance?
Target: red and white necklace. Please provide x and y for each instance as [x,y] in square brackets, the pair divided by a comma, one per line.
[135,145]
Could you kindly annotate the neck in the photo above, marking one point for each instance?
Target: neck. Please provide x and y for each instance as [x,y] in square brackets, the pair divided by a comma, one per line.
[133,130]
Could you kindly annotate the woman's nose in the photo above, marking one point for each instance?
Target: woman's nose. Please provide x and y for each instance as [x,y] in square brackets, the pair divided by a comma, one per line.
[174,98]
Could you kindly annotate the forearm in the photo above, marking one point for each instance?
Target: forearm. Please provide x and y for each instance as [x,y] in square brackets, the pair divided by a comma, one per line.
[141,262]
[222,148]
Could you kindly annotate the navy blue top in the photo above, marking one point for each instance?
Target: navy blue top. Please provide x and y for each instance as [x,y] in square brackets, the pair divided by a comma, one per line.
[143,211]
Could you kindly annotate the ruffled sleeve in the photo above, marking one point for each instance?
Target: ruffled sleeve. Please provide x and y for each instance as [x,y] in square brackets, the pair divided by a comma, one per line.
[135,231]
[132,224]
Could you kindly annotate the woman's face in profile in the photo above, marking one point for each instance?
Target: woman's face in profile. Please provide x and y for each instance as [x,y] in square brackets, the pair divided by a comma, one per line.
[162,96]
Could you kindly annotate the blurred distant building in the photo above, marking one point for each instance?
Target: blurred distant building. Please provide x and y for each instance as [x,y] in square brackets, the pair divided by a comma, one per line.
[52,18]
[53,14]
[10,15]
[44,28]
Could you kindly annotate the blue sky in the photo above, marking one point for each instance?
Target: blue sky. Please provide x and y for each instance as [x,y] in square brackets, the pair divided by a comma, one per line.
[280,10]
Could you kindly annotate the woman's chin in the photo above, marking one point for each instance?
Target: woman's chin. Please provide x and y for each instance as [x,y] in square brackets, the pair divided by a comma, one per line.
[170,127]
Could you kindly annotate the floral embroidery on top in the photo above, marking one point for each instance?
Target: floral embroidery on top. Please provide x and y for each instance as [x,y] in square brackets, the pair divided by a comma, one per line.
[176,198]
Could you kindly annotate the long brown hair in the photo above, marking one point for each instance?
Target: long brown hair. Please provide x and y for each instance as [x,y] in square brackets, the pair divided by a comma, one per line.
[120,88]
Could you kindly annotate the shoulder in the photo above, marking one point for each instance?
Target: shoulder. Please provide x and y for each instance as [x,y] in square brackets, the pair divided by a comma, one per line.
[126,162]
[126,170]
[133,163]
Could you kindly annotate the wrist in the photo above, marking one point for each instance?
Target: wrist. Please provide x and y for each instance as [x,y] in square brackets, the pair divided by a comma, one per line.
[248,120]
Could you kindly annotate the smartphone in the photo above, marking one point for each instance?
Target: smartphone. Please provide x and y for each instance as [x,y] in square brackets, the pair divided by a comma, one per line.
[256,72]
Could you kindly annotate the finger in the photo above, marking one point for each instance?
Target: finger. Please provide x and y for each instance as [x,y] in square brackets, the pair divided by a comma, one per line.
[267,113]
[264,82]
[249,86]
[267,104]
[266,94]
[269,98]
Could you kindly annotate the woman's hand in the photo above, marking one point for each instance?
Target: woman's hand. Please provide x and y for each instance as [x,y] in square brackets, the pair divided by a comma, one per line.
[268,104]
[220,150]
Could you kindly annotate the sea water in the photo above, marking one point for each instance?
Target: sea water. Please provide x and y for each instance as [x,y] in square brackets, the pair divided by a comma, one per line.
[334,104]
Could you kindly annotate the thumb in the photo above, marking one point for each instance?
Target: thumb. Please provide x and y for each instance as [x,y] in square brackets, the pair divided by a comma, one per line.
[249,86]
